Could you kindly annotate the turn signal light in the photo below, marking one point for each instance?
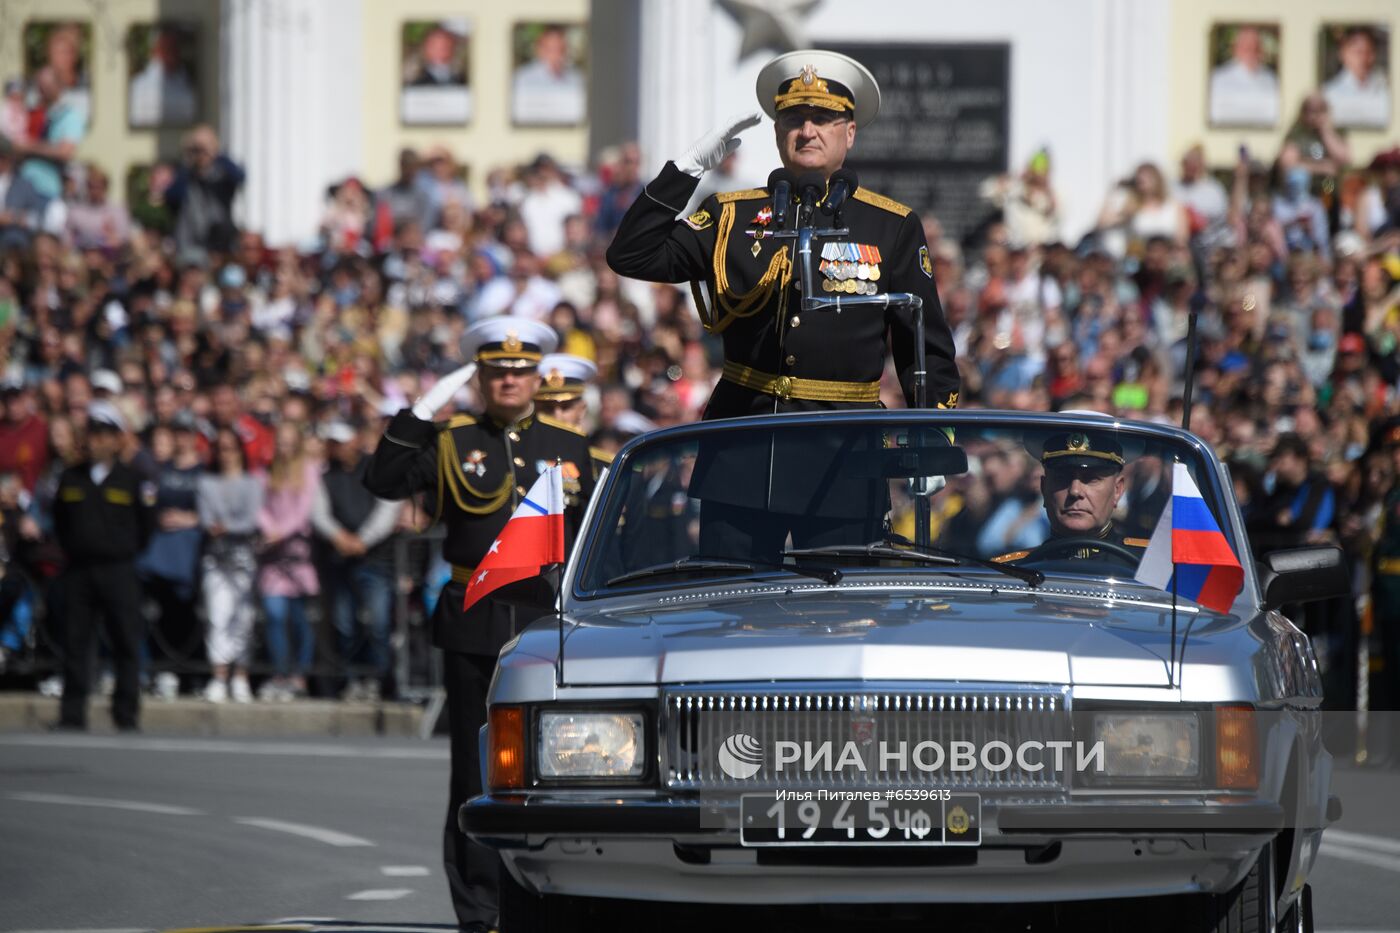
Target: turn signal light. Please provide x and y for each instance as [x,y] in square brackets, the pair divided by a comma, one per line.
[505,741]
[1236,748]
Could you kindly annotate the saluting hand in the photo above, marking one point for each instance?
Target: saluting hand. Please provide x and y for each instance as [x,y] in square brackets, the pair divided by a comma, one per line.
[446,387]
[712,148]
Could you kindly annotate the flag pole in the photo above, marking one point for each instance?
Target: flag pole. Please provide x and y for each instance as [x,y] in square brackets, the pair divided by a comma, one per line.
[1171,656]
[559,604]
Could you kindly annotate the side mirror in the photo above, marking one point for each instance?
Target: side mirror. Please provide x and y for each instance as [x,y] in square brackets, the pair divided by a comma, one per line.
[1302,575]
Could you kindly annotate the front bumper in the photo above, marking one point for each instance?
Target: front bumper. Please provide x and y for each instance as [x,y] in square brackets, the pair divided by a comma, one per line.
[689,850]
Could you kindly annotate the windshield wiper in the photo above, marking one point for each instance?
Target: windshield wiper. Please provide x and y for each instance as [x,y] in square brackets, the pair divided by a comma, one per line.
[717,565]
[897,547]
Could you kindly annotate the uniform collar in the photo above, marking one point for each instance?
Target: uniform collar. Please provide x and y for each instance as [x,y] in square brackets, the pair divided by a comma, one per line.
[523,424]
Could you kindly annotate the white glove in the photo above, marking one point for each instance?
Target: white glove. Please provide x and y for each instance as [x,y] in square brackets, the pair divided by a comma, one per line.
[712,148]
[446,387]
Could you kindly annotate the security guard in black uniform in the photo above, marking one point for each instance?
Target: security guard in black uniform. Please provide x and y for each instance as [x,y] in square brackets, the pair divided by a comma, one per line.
[477,468]
[776,357]
[103,516]
[1082,485]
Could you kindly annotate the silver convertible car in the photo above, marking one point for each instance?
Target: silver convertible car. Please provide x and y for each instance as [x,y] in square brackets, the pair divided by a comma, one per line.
[915,658]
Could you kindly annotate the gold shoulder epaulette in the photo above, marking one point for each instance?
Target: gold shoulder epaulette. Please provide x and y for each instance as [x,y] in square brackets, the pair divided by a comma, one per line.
[879,200]
[598,453]
[747,194]
[545,419]
[1014,555]
[1136,542]
[461,421]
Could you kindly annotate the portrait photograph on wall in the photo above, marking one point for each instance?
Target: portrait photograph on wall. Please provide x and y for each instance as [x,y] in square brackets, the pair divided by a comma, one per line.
[53,104]
[1244,65]
[435,69]
[548,81]
[1353,70]
[162,77]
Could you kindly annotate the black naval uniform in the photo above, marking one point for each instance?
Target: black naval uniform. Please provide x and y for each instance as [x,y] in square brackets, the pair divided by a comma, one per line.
[780,359]
[477,470]
[102,527]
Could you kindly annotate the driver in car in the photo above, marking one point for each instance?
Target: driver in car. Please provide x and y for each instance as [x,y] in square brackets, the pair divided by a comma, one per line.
[1082,484]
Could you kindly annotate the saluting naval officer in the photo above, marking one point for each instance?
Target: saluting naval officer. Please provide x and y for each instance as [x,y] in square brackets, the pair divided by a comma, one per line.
[777,357]
[103,516]
[563,379]
[478,467]
[1081,486]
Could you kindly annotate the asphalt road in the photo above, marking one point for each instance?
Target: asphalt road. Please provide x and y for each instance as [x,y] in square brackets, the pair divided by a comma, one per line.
[116,834]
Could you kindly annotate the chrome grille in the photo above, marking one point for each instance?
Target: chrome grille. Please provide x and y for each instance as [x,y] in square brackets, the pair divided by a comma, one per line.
[698,722]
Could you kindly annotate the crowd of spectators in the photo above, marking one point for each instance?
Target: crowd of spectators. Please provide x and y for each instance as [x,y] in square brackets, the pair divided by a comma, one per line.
[255,380]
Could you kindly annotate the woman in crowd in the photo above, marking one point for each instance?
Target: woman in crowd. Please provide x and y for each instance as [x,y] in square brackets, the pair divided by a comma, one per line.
[228,502]
[286,575]
[170,563]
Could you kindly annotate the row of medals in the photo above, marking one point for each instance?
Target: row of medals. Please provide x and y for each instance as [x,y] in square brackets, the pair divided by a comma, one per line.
[847,276]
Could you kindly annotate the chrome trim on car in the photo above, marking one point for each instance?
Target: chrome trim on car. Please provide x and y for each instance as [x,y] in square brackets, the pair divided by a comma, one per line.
[696,721]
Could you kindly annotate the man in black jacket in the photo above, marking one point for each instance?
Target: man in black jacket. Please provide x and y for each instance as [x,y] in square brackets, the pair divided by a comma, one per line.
[103,516]
[478,468]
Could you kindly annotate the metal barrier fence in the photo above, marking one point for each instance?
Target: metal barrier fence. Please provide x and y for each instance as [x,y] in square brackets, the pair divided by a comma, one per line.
[37,647]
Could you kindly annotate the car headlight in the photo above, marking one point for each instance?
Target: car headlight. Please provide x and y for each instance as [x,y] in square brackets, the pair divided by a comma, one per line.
[592,745]
[1149,745]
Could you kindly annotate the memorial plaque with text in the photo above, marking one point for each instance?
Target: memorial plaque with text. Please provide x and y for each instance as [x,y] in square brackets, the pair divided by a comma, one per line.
[944,126]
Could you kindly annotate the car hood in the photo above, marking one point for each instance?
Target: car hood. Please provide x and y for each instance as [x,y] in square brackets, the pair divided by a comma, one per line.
[1070,637]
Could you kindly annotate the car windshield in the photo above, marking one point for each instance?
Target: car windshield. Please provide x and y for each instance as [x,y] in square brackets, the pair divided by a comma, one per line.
[835,497]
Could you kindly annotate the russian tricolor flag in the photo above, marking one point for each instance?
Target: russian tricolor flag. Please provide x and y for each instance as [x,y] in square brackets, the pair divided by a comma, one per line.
[531,540]
[1189,543]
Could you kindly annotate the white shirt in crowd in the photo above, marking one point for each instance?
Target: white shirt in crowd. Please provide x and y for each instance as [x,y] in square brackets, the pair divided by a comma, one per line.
[1239,95]
[1359,103]
[544,211]
[158,97]
[1206,196]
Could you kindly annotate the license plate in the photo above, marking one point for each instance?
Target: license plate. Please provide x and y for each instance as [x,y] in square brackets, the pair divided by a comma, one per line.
[861,818]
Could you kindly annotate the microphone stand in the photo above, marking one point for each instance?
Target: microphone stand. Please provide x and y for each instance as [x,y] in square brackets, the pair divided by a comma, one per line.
[806,234]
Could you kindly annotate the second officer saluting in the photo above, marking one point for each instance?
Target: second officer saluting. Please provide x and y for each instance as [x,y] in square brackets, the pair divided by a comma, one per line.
[778,358]
[478,467]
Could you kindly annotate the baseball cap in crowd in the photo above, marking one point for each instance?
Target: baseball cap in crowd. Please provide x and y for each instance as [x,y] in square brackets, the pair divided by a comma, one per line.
[104,416]
[1352,343]
[232,276]
[104,380]
[338,432]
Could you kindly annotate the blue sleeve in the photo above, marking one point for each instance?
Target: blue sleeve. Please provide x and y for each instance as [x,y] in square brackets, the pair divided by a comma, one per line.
[1326,511]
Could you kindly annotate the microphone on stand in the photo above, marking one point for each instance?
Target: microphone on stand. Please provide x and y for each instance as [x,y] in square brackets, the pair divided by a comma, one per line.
[842,185]
[810,187]
[780,184]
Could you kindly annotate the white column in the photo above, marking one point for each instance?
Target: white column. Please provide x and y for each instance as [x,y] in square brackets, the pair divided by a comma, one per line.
[677,94]
[289,94]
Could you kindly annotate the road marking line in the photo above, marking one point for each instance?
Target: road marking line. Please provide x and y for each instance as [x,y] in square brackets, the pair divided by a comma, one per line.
[1374,859]
[137,805]
[1363,840]
[106,930]
[380,894]
[298,749]
[330,837]
[405,871]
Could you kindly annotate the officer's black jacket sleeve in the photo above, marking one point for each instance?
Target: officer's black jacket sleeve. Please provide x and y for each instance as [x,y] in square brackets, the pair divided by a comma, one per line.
[913,272]
[406,460]
[651,244]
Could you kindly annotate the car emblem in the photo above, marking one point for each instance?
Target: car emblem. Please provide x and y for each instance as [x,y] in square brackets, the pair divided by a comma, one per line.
[863,722]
